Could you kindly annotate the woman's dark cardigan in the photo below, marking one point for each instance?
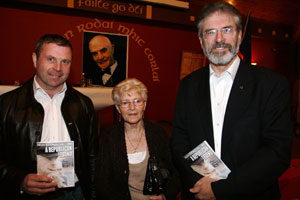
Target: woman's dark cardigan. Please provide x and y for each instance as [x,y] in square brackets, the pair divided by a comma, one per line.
[112,176]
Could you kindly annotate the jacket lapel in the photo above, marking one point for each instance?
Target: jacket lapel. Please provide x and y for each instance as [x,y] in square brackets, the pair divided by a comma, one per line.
[203,96]
[238,101]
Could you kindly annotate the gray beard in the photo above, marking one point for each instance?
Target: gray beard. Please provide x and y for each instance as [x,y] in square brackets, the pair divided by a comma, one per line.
[222,58]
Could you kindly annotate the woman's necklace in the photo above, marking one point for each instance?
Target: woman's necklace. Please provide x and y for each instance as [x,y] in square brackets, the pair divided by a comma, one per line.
[135,148]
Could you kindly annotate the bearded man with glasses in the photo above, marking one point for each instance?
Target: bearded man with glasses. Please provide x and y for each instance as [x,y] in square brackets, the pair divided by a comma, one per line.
[241,110]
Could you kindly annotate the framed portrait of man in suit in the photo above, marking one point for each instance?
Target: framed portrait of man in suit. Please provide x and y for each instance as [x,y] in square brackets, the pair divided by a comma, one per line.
[105,58]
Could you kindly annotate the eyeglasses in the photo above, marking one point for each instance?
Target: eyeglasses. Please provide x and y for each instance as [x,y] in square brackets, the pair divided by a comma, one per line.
[135,102]
[224,31]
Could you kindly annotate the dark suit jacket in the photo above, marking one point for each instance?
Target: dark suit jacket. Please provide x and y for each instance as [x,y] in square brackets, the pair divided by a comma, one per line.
[118,76]
[256,137]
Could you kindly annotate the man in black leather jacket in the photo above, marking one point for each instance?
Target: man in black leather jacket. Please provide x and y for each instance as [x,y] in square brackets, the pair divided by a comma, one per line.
[22,123]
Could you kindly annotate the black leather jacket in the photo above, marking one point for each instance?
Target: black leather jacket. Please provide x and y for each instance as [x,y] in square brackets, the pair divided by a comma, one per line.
[21,122]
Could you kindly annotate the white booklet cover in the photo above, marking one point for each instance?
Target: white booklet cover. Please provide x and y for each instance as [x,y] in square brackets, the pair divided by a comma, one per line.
[204,161]
[56,159]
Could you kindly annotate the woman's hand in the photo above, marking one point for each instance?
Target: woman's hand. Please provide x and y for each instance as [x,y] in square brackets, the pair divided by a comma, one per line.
[159,197]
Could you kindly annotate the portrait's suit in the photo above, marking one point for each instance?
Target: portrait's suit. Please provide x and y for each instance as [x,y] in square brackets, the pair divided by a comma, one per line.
[95,73]
[256,136]
[118,75]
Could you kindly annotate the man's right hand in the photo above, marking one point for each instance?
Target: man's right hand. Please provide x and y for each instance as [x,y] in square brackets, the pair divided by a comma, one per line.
[35,184]
[202,189]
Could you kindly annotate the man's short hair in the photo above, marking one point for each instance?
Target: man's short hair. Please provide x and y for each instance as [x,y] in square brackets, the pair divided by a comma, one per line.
[52,38]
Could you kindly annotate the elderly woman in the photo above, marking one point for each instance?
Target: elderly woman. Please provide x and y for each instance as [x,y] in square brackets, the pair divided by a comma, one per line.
[126,148]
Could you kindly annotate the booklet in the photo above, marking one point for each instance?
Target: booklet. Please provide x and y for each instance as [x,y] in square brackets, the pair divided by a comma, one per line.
[56,159]
[204,161]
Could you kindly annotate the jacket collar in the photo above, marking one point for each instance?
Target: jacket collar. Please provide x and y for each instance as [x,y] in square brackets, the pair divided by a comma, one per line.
[26,94]
[240,90]
[238,101]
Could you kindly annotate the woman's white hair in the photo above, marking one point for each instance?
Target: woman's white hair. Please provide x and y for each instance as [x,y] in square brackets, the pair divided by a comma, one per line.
[128,85]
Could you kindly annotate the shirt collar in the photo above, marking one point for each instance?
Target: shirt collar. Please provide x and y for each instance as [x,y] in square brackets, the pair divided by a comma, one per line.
[232,70]
[113,67]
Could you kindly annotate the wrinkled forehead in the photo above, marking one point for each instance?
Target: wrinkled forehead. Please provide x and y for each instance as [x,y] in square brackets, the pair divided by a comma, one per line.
[99,42]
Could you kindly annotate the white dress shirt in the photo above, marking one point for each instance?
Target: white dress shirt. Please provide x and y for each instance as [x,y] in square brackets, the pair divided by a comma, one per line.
[220,87]
[54,126]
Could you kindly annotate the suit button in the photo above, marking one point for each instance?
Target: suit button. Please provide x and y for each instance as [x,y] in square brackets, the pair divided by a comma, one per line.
[125,171]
